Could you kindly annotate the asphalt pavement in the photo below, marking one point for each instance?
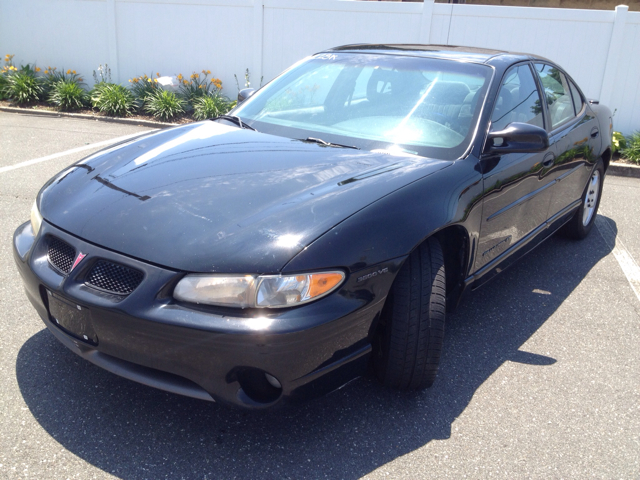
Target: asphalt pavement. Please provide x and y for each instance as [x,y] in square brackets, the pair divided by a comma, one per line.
[540,375]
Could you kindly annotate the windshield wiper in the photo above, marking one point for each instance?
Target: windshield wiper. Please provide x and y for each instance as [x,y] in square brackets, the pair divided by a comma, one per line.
[319,141]
[234,119]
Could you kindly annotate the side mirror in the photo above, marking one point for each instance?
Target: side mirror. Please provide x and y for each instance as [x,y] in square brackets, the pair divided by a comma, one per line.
[517,138]
[245,93]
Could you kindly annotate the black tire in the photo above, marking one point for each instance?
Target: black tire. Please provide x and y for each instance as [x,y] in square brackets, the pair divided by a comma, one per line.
[576,228]
[409,339]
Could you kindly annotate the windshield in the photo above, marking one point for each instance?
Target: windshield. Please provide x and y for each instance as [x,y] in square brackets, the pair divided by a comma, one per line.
[424,106]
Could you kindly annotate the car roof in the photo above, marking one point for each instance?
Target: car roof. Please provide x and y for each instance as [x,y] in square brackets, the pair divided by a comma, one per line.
[449,52]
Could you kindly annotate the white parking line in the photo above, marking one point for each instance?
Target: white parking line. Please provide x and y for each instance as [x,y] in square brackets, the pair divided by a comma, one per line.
[73,150]
[620,252]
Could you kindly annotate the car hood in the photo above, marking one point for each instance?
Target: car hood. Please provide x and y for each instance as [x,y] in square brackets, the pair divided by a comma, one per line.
[207,197]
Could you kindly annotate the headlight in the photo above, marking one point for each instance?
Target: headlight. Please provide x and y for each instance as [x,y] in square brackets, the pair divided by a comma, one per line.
[36,218]
[252,291]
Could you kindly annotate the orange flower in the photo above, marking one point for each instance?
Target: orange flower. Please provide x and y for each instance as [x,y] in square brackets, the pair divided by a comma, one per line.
[74,72]
[37,69]
[68,72]
[157,74]
[179,77]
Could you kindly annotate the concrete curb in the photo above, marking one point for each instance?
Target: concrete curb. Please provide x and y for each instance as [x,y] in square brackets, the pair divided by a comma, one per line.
[84,116]
[623,170]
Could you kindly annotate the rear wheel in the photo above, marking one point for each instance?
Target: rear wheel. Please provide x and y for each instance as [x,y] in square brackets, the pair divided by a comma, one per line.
[409,340]
[582,222]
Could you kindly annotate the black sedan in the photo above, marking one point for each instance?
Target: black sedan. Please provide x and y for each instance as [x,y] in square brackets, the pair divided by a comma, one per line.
[321,228]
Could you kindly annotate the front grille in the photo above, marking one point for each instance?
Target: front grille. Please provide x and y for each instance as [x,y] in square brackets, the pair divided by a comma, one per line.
[114,278]
[61,254]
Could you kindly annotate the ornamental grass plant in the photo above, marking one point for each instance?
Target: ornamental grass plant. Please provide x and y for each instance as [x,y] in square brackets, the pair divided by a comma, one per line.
[198,86]
[51,76]
[144,88]
[6,70]
[68,95]
[631,151]
[113,99]
[211,106]
[22,86]
[165,105]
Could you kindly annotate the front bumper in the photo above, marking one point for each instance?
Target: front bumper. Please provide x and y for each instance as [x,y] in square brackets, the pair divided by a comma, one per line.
[206,352]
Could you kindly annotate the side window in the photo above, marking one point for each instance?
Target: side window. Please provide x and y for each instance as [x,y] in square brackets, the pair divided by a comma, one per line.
[577,98]
[518,100]
[558,95]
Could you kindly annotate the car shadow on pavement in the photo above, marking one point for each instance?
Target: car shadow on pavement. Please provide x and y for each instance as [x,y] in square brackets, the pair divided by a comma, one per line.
[133,431]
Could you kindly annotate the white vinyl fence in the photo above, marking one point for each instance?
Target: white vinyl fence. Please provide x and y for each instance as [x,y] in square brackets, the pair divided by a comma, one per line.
[600,49]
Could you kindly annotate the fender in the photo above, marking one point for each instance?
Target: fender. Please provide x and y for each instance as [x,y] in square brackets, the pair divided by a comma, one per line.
[396,224]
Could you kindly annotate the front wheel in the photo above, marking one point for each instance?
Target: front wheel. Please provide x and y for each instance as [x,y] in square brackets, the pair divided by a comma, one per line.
[582,222]
[409,339]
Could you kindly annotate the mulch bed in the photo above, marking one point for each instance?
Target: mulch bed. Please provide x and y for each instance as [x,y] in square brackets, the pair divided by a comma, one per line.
[617,158]
[186,118]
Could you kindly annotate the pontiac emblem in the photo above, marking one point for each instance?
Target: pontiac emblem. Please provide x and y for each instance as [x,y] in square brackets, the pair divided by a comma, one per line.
[78,260]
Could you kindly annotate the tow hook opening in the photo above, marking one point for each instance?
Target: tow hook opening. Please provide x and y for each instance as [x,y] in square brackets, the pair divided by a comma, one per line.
[258,385]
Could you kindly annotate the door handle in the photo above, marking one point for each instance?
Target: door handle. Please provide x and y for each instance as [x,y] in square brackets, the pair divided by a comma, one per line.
[594,132]
[548,160]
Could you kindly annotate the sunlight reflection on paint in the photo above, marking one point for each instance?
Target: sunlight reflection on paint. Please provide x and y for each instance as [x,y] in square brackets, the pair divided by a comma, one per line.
[259,323]
[202,132]
[288,241]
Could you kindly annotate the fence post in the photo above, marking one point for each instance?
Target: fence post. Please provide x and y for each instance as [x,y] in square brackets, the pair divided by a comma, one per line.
[112,40]
[613,58]
[257,43]
[425,24]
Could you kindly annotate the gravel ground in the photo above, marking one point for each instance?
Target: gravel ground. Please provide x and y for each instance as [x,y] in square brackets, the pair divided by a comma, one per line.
[540,376]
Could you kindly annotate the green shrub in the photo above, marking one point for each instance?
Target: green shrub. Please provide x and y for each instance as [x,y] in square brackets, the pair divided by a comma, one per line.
[22,87]
[95,92]
[618,142]
[6,70]
[3,85]
[210,107]
[632,150]
[68,95]
[165,105]
[113,99]
[199,86]
[51,77]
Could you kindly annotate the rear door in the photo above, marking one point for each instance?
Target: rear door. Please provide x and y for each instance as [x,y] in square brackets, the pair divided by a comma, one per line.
[573,134]
[516,194]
